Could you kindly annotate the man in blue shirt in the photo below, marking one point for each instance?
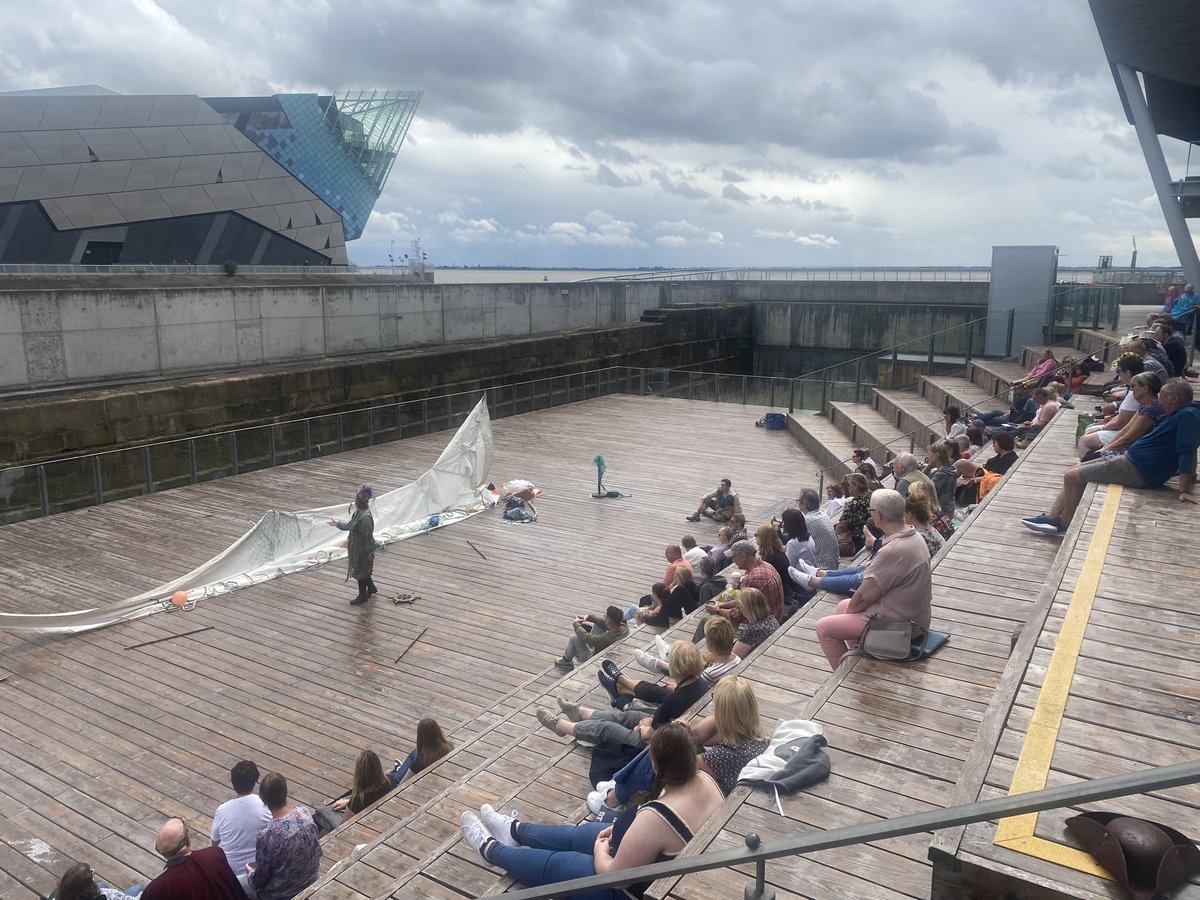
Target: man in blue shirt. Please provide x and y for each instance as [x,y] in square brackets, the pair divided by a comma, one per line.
[1168,450]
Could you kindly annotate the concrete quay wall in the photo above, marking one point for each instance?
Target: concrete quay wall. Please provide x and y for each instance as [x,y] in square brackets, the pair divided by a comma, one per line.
[55,425]
[64,333]
[802,327]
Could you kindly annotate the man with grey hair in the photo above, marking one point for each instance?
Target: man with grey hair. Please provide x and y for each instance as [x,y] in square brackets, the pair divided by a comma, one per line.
[820,529]
[1168,450]
[191,875]
[897,583]
[908,472]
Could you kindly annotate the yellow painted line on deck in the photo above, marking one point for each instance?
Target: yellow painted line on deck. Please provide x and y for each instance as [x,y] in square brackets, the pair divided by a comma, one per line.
[1033,766]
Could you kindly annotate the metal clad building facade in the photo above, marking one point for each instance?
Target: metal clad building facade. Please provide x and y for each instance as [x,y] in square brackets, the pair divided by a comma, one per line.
[103,178]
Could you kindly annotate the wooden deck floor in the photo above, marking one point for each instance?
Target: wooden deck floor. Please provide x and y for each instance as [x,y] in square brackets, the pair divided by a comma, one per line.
[100,741]
[1111,675]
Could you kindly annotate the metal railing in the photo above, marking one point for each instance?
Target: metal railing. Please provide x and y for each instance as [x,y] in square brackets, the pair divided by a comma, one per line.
[758,853]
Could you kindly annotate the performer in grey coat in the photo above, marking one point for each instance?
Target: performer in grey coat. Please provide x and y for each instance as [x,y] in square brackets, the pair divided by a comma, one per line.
[360,544]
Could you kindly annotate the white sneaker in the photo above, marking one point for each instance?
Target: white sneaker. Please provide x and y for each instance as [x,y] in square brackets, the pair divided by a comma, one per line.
[498,825]
[647,661]
[475,835]
[596,799]
[661,647]
[802,567]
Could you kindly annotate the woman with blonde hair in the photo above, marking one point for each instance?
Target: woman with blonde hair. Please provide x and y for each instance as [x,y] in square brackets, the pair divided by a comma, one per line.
[940,470]
[632,729]
[919,513]
[719,660]
[760,624]
[729,738]
[771,550]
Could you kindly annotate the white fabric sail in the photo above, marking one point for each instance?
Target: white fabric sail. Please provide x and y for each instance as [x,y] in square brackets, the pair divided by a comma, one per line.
[284,542]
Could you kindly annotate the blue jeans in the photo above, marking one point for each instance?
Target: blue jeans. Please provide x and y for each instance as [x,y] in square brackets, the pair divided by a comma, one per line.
[843,582]
[637,775]
[552,853]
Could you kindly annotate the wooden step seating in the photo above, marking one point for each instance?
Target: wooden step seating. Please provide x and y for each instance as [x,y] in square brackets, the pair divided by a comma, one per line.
[868,428]
[511,760]
[825,442]
[912,414]
[996,375]
[1109,662]
[899,736]
[946,390]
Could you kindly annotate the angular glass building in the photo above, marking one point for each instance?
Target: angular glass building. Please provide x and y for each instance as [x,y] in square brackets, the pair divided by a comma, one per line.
[89,176]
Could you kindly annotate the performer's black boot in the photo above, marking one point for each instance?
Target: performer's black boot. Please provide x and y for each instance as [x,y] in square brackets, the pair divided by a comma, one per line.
[362,593]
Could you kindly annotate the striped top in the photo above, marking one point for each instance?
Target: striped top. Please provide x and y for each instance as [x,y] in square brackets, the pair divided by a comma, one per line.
[714,672]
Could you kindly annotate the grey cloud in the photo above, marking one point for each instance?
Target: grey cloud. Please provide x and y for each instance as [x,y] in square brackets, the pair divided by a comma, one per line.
[680,188]
[1079,167]
[733,192]
[732,176]
[607,177]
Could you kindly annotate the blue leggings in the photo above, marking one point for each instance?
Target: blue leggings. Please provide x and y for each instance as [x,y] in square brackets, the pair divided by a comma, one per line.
[552,853]
[843,582]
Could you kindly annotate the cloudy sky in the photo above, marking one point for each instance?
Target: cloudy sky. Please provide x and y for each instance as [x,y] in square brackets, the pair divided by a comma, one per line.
[599,133]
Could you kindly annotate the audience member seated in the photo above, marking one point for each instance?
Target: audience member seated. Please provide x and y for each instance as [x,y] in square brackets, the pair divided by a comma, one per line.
[594,633]
[800,544]
[756,574]
[1183,309]
[940,470]
[953,422]
[849,527]
[720,505]
[1047,408]
[820,529]
[79,883]
[719,661]
[971,475]
[691,552]
[631,729]
[432,745]
[1099,434]
[1170,304]
[710,584]
[675,561]
[1144,389]
[724,542]
[860,457]
[919,513]
[288,856]
[728,739]
[1042,371]
[238,822]
[834,499]
[1173,345]
[1022,409]
[759,621]
[190,874]
[681,599]
[770,549]
[680,802]
[897,585]
[908,472]
[370,784]
[1168,450]
[1149,360]
[975,441]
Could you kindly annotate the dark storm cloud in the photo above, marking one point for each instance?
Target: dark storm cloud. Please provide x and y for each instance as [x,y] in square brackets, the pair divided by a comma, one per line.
[735,193]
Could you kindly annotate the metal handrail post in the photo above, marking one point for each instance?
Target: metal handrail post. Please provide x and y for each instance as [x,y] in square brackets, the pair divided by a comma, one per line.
[149,474]
[791,395]
[43,490]
[824,390]
[858,380]
[1008,340]
[98,480]
[759,890]
[895,366]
